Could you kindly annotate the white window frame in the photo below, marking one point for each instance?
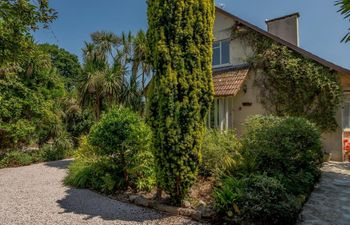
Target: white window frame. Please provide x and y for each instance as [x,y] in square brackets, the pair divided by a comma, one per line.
[346,101]
[221,117]
[220,47]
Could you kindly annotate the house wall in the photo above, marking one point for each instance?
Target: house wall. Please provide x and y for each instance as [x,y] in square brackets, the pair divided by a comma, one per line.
[332,141]
[239,52]
[223,31]
[251,96]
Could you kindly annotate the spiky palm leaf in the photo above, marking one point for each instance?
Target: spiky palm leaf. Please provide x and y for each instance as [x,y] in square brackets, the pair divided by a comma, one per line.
[344,10]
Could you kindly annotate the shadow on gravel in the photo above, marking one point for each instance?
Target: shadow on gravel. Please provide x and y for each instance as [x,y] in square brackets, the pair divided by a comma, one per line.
[91,204]
[62,164]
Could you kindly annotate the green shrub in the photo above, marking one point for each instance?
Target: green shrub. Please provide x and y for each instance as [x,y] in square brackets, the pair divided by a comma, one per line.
[281,160]
[219,152]
[85,150]
[257,199]
[289,148]
[16,158]
[116,154]
[99,174]
[61,148]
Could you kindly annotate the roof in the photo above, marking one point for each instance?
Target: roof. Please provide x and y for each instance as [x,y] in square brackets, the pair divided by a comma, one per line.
[229,82]
[301,51]
[283,17]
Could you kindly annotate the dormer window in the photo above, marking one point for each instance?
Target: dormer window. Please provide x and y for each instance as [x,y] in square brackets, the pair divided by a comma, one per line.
[221,53]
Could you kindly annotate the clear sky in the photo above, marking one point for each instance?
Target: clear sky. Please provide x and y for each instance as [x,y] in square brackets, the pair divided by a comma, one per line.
[321,26]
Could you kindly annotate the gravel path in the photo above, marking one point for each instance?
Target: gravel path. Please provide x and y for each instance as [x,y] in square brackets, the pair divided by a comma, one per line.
[35,195]
[329,204]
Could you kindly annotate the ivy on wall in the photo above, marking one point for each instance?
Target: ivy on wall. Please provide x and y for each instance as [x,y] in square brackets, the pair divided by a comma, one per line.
[292,85]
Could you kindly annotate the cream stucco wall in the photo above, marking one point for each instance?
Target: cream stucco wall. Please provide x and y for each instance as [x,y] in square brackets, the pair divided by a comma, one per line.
[223,31]
[333,141]
[241,112]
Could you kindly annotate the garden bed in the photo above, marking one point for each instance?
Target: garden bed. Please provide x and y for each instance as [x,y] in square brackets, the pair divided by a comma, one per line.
[199,205]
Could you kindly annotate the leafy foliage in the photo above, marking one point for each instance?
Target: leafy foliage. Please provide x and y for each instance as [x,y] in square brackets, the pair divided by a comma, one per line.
[60,148]
[78,121]
[220,151]
[180,46]
[344,10]
[289,148]
[17,18]
[16,158]
[66,63]
[292,85]
[29,85]
[256,199]
[281,160]
[99,174]
[110,71]
[116,155]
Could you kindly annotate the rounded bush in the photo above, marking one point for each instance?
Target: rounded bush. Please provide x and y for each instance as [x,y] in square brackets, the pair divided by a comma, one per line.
[123,137]
[289,148]
[120,133]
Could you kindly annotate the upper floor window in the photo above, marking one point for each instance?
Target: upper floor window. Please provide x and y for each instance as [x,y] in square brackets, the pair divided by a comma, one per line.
[221,53]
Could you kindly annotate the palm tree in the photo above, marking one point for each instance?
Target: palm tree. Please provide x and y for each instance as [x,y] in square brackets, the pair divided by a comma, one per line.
[111,71]
[99,82]
[345,10]
[140,58]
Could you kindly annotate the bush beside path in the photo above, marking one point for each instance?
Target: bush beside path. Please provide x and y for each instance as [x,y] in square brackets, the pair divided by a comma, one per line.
[36,195]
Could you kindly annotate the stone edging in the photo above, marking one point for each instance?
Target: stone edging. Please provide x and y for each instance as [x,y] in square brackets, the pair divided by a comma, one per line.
[202,213]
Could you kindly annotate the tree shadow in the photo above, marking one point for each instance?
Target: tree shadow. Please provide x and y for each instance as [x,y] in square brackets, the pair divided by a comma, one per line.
[62,164]
[91,204]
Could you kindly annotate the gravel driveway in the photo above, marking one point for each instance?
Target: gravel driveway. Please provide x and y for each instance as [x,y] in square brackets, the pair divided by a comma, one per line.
[35,195]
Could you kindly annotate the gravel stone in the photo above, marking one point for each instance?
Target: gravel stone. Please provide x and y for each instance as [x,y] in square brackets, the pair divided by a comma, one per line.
[35,195]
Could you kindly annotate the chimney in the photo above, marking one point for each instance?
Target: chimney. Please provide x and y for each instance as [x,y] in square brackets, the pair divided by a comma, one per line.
[285,27]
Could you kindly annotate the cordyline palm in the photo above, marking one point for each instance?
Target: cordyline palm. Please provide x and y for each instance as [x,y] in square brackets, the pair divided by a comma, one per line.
[99,82]
[344,10]
[108,79]
[128,62]
[140,64]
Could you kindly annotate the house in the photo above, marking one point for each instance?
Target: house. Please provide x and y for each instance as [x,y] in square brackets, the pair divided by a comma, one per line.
[236,95]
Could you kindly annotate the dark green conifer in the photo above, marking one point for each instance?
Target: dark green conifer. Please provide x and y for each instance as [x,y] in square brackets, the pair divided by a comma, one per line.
[180,51]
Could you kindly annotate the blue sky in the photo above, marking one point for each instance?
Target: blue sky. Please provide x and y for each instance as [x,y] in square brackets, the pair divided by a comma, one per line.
[321,27]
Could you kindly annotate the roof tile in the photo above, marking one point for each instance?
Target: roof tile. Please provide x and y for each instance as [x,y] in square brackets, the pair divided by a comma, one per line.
[229,83]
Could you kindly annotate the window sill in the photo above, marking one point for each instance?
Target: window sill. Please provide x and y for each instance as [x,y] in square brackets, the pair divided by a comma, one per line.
[222,65]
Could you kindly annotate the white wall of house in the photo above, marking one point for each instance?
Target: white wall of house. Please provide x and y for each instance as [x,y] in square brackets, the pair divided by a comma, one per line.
[223,31]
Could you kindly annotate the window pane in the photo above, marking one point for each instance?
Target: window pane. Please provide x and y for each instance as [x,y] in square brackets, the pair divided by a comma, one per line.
[225,58]
[216,56]
[346,115]
[216,45]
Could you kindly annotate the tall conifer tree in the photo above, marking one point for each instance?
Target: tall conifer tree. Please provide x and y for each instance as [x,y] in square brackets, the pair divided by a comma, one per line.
[180,51]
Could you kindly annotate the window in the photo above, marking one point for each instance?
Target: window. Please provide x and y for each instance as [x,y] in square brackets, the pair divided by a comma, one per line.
[219,116]
[221,53]
[346,116]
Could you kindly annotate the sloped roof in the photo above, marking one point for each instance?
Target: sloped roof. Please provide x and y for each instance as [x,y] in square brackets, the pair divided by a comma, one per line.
[229,82]
[301,51]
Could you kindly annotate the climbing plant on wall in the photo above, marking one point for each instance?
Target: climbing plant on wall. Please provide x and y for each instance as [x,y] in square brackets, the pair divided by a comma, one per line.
[180,34]
[292,85]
